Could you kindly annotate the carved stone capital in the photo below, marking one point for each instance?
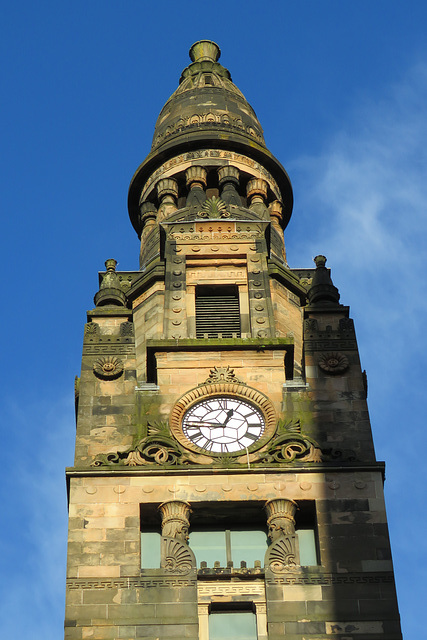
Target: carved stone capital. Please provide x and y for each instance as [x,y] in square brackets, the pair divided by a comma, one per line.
[276,210]
[195,174]
[228,174]
[175,519]
[147,211]
[167,187]
[280,517]
[257,188]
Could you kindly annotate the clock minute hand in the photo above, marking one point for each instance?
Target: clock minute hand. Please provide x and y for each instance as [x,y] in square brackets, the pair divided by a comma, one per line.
[204,424]
[210,425]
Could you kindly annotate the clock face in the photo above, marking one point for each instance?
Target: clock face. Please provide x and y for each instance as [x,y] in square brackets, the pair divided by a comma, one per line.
[223,424]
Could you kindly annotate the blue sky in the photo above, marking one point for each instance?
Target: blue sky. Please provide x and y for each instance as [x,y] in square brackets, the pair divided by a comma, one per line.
[340,89]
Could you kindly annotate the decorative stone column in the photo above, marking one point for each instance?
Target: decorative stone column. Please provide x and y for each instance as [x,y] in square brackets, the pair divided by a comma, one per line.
[195,178]
[229,183]
[256,191]
[275,209]
[280,518]
[283,551]
[148,213]
[175,520]
[167,192]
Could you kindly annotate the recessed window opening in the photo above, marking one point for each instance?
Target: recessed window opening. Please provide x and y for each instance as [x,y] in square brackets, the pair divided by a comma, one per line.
[229,534]
[217,312]
[306,531]
[150,536]
[229,547]
[236,623]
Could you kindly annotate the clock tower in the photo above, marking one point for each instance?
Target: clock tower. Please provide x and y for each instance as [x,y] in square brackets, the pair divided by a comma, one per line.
[225,483]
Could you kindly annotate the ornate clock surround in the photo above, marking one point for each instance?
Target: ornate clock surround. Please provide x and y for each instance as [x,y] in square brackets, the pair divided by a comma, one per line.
[237,390]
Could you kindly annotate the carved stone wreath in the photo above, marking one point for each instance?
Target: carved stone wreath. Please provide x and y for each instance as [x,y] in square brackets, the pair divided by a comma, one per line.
[108,368]
[333,362]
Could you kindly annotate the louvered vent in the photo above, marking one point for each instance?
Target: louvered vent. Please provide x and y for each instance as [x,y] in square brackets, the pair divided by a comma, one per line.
[217,312]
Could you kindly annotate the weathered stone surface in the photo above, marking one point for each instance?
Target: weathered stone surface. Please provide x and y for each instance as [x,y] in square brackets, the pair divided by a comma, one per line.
[209,209]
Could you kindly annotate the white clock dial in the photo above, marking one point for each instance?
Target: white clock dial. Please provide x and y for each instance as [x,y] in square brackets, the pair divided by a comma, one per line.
[223,424]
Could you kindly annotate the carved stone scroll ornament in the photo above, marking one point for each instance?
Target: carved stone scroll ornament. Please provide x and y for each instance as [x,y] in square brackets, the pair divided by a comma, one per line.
[291,445]
[160,448]
[108,368]
[283,556]
[176,557]
[157,447]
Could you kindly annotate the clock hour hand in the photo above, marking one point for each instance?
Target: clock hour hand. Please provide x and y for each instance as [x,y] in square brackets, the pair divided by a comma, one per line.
[229,414]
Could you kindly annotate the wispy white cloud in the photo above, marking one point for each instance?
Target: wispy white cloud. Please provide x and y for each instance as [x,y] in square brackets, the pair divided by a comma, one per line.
[363,203]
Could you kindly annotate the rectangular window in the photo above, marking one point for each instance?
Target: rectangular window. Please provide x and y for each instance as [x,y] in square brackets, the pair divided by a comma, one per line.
[307,547]
[150,536]
[150,550]
[306,531]
[217,312]
[232,625]
[229,545]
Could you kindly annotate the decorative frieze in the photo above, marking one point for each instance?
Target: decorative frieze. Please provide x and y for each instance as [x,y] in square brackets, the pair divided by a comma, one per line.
[295,577]
[131,582]
[116,348]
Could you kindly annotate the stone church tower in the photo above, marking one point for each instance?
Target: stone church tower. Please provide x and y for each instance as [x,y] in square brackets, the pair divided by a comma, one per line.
[225,484]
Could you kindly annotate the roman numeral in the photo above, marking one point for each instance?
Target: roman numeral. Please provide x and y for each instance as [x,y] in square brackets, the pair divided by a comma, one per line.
[251,436]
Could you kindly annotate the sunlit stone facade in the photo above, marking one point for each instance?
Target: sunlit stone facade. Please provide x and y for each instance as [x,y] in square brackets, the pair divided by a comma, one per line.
[225,483]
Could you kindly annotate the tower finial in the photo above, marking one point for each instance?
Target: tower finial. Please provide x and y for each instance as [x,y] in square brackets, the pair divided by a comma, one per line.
[110,291]
[322,289]
[204,50]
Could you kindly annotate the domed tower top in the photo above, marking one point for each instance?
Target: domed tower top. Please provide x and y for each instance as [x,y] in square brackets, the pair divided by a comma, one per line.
[206,101]
[208,143]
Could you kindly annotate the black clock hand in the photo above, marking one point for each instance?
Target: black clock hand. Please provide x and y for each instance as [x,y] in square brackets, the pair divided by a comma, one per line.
[210,425]
[229,414]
